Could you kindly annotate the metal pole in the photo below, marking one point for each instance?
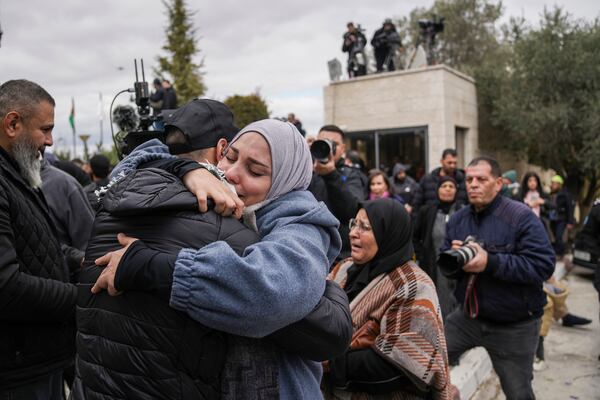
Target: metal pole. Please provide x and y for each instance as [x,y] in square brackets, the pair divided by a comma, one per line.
[101,115]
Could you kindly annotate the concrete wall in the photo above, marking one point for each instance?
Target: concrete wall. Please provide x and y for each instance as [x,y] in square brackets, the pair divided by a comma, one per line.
[437,97]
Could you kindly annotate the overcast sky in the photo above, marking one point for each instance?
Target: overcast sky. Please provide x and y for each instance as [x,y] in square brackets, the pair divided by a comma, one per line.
[82,48]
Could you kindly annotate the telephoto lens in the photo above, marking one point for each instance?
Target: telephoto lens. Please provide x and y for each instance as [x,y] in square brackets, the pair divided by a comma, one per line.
[452,261]
[321,149]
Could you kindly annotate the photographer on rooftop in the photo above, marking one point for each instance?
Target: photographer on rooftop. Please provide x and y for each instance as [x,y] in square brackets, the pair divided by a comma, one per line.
[386,43]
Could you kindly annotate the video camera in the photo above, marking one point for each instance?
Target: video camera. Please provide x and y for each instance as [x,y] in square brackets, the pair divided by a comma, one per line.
[142,133]
[431,27]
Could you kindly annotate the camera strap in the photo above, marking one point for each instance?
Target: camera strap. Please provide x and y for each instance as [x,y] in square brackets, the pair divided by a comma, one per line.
[471,305]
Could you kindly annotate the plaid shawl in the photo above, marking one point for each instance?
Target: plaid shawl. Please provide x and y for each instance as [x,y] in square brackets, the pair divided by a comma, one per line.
[411,336]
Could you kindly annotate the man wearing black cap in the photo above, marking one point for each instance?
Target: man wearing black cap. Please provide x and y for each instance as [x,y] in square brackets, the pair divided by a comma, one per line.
[200,130]
[153,205]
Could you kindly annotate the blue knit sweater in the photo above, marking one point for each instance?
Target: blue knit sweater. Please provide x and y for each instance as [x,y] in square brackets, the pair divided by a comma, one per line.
[272,284]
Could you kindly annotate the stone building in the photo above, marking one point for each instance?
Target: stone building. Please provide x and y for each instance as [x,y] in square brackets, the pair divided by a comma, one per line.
[406,116]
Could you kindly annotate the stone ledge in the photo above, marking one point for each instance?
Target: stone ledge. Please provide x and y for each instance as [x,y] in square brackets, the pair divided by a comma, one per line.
[473,370]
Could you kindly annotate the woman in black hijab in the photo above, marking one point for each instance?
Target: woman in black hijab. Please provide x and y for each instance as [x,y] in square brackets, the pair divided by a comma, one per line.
[430,231]
[398,346]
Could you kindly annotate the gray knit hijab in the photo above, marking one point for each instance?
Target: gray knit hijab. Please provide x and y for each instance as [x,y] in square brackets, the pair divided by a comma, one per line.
[291,163]
[291,167]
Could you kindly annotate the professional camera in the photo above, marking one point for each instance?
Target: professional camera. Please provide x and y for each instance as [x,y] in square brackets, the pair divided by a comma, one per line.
[431,27]
[452,261]
[322,149]
[125,143]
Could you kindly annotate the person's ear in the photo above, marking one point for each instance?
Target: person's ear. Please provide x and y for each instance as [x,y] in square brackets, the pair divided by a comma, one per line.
[220,149]
[12,124]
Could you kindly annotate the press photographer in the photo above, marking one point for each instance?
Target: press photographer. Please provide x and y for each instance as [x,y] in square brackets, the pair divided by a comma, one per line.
[354,44]
[341,187]
[500,278]
[386,42]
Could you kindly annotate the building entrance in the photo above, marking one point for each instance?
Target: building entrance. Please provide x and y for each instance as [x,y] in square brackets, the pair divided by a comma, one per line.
[384,148]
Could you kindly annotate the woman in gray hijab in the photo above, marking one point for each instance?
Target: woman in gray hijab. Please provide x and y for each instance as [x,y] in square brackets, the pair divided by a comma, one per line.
[275,282]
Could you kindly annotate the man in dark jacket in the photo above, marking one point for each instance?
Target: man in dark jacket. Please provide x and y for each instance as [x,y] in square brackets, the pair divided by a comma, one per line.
[71,213]
[339,186]
[170,98]
[37,303]
[354,44]
[100,165]
[427,191]
[501,286]
[590,235]
[562,216]
[189,356]
[386,43]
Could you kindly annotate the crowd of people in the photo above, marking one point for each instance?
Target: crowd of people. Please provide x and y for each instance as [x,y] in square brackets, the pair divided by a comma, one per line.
[229,263]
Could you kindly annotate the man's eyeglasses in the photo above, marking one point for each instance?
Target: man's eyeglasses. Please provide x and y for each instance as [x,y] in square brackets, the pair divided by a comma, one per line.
[362,227]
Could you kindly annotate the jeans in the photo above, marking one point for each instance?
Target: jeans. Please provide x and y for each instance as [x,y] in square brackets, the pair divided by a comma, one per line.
[511,347]
[49,387]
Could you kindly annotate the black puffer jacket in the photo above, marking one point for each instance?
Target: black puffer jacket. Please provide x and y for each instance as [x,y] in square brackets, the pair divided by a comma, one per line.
[36,303]
[135,345]
[428,186]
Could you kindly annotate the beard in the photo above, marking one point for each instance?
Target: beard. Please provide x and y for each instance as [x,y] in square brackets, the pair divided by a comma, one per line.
[27,156]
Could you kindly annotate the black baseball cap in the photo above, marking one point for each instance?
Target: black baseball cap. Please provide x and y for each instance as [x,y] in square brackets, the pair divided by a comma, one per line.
[203,122]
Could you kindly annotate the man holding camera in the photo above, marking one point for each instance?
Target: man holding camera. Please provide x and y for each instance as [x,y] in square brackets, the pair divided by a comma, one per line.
[500,286]
[354,44]
[341,187]
[386,42]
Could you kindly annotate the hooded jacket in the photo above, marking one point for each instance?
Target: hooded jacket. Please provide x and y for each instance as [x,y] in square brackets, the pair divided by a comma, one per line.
[37,303]
[405,189]
[135,345]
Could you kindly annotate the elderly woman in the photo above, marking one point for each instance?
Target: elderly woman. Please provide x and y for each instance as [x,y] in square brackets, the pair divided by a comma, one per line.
[430,230]
[398,348]
[272,284]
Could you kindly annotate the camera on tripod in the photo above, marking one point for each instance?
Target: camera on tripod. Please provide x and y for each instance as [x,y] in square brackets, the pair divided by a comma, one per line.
[322,149]
[431,27]
[142,133]
[452,261]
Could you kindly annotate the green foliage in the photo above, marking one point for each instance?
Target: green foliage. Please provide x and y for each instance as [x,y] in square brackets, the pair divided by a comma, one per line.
[181,51]
[543,100]
[247,109]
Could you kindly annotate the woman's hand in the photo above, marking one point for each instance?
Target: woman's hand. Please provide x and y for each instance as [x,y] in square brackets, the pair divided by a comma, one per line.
[203,184]
[106,280]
